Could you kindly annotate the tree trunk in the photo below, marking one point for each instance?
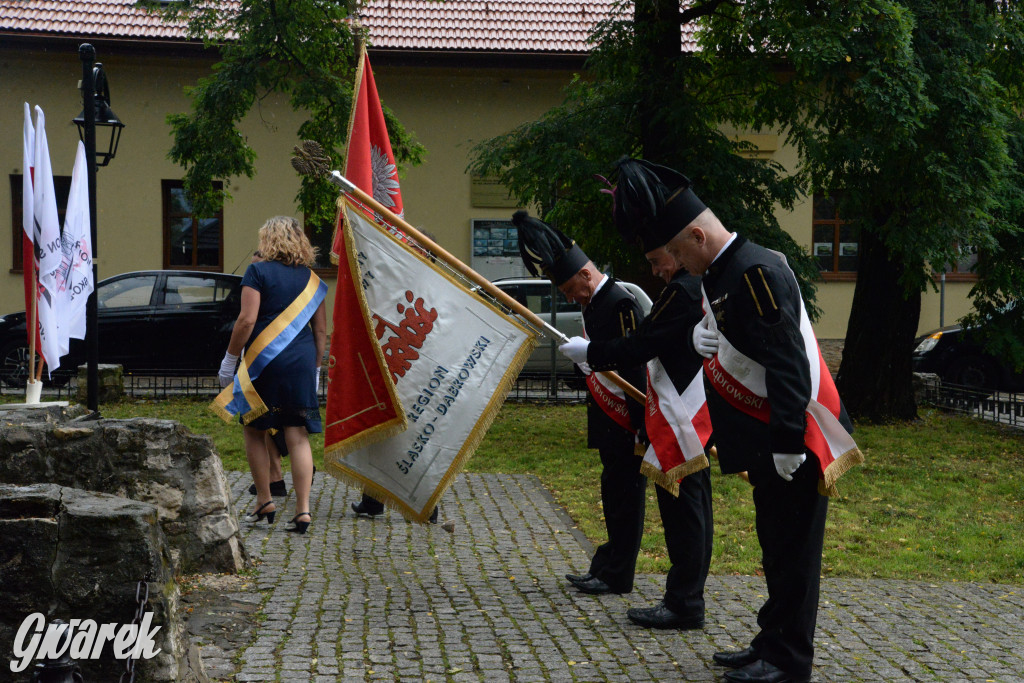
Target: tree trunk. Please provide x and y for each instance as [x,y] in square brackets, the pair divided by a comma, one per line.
[875,378]
[657,27]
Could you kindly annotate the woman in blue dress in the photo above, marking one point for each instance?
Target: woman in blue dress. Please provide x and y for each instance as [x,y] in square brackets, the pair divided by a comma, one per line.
[287,384]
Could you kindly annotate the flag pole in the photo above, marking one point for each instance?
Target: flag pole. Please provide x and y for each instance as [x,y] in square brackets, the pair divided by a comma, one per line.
[349,188]
[33,324]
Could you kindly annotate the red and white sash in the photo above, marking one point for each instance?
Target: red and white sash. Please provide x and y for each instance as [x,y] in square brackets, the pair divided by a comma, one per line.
[741,382]
[610,398]
[678,426]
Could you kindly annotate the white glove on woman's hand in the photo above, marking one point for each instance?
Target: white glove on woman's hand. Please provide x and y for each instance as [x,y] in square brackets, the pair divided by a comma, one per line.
[575,349]
[226,375]
[317,381]
[787,463]
[705,342]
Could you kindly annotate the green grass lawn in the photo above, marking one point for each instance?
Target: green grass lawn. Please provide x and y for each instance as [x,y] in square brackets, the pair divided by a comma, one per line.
[938,499]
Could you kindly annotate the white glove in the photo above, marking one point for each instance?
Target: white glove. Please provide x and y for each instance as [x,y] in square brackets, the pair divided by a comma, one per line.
[584,367]
[318,380]
[226,375]
[704,340]
[787,463]
[575,349]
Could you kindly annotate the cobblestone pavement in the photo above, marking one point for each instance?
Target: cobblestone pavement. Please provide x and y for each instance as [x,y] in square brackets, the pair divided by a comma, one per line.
[360,599]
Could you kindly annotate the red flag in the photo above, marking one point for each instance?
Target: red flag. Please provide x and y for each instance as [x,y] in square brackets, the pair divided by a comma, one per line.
[362,406]
[369,162]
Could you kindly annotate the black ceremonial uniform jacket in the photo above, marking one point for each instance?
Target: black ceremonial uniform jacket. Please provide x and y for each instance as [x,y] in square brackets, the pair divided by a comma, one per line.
[673,315]
[756,303]
[613,313]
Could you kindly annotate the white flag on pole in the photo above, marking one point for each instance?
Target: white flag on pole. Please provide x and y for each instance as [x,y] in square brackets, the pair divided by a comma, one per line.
[74,277]
[28,158]
[47,245]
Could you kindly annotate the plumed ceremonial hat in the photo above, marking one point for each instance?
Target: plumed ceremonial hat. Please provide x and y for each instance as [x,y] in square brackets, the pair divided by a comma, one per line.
[652,203]
[547,252]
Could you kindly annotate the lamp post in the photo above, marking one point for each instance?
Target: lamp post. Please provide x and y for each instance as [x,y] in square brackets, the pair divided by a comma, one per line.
[95,112]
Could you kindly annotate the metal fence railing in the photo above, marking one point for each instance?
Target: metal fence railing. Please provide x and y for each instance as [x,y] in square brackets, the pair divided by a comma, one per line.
[202,384]
[1000,407]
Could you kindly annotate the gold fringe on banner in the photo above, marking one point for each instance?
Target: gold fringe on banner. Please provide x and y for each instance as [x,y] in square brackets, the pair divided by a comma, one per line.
[837,468]
[670,480]
[335,464]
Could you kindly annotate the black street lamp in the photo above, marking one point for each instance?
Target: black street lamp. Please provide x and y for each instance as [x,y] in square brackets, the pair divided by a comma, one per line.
[103,115]
[95,112]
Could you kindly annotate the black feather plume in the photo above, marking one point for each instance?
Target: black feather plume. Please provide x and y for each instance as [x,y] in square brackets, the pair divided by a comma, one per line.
[546,252]
[643,189]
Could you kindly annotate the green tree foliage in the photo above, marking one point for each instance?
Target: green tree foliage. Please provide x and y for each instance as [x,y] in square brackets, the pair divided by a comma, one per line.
[641,96]
[305,49]
[909,107]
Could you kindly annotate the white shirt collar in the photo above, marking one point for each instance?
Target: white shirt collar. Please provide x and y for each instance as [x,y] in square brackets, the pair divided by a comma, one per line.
[604,279]
[722,250]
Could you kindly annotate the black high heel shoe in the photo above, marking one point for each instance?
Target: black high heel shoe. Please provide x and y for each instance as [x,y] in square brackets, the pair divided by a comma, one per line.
[297,526]
[257,515]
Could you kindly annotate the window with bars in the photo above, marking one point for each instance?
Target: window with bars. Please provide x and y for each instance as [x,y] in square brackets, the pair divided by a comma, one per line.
[61,185]
[835,242]
[189,242]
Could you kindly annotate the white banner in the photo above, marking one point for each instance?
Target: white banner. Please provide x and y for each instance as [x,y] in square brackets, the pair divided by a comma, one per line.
[48,249]
[453,358]
[74,277]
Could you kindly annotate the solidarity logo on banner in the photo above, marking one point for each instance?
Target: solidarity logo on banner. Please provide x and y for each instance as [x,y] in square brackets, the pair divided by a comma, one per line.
[436,363]
[81,639]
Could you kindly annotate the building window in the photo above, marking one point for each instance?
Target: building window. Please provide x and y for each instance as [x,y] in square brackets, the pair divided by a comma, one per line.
[835,241]
[962,270]
[61,185]
[190,242]
[321,236]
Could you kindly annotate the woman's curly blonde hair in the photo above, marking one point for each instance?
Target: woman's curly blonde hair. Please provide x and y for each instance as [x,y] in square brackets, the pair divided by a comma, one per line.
[282,239]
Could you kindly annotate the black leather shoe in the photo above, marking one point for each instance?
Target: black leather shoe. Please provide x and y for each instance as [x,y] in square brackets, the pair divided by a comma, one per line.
[576,579]
[593,586]
[661,616]
[362,509]
[761,671]
[277,488]
[735,660]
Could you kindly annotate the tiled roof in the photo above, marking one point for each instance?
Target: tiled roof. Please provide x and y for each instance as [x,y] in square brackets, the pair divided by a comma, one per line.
[548,26]
[536,26]
[97,18]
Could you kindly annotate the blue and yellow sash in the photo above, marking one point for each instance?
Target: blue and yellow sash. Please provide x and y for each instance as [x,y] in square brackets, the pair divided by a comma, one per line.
[241,398]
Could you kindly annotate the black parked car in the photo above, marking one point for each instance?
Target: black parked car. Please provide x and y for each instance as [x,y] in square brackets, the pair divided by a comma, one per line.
[958,356]
[156,321]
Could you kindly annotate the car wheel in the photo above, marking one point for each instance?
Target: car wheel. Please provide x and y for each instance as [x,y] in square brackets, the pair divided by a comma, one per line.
[14,365]
[974,372]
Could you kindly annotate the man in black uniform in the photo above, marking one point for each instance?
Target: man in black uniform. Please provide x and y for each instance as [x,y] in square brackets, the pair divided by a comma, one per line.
[757,310]
[687,519]
[609,312]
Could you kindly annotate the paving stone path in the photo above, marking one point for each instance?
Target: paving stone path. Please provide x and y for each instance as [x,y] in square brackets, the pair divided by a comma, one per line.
[383,599]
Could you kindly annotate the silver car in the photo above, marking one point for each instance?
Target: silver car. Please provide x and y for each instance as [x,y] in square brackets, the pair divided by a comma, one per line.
[535,294]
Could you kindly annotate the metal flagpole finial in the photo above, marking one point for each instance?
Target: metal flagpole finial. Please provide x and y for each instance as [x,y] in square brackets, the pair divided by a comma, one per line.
[341,181]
